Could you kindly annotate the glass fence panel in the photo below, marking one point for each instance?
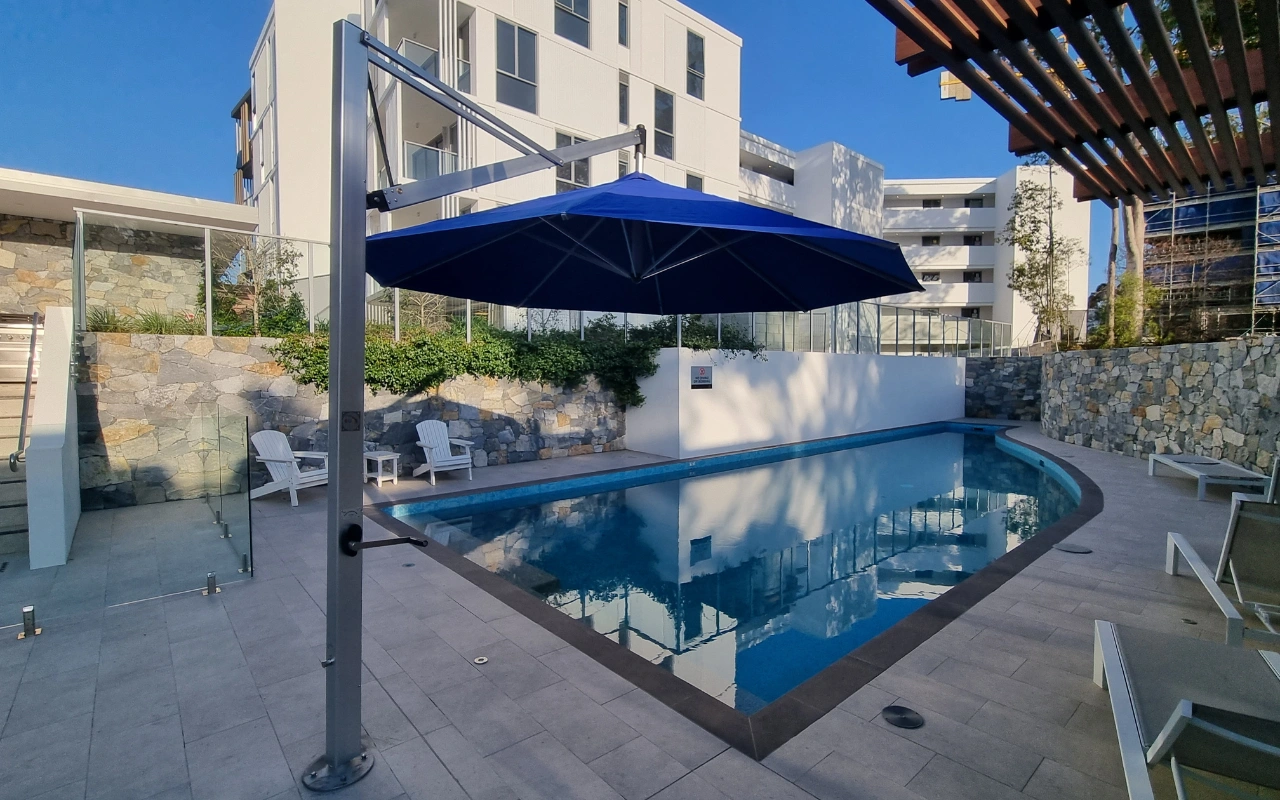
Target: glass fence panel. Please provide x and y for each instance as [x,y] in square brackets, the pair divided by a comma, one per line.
[140,275]
[256,289]
[233,488]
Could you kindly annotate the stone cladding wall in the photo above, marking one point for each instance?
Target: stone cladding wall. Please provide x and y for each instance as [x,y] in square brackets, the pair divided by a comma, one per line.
[145,402]
[35,264]
[1216,399]
[1002,387]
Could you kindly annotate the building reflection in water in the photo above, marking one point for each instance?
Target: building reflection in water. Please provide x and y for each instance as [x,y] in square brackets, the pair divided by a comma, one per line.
[748,582]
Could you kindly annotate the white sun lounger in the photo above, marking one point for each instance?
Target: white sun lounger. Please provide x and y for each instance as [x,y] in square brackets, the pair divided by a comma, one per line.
[1209,470]
[1250,562]
[433,438]
[1270,495]
[282,462]
[1202,708]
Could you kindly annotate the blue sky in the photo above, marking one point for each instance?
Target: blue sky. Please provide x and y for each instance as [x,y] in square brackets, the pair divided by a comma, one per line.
[139,92]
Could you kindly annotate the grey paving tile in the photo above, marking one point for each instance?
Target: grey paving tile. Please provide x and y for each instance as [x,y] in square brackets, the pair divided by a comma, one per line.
[71,791]
[895,757]
[479,602]
[380,784]
[738,776]
[1008,691]
[801,753]
[597,681]
[397,627]
[135,699]
[414,703]
[182,792]
[470,769]
[421,773]
[219,702]
[638,769]
[463,630]
[975,653]
[54,698]
[242,762]
[383,720]
[1063,683]
[198,658]
[541,768]
[691,787]
[920,691]
[296,707]
[867,702]
[681,739]
[434,665]
[1053,781]
[63,650]
[584,726]
[488,718]
[1053,650]
[44,758]
[837,777]
[134,652]
[1094,722]
[513,670]
[944,779]
[138,762]
[528,635]
[1097,756]
[275,660]
[373,656]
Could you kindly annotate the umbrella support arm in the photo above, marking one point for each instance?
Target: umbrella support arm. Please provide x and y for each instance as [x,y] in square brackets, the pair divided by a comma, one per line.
[396,197]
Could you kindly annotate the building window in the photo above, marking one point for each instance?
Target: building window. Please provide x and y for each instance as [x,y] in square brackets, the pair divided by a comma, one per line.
[624,24]
[517,67]
[573,174]
[573,21]
[930,241]
[693,182]
[974,202]
[930,277]
[697,63]
[973,277]
[971,313]
[664,124]
[464,57]
[931,202]
[624,98]
[973,240]
[624,163]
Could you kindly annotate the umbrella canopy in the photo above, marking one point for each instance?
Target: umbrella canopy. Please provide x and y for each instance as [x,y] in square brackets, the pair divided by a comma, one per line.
[641,246]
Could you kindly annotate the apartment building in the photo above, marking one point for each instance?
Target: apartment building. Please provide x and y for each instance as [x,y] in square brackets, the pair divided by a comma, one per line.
[559,71]
[947,228]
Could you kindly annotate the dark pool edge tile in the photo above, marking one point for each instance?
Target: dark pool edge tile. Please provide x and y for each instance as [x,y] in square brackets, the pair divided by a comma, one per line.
[766,730]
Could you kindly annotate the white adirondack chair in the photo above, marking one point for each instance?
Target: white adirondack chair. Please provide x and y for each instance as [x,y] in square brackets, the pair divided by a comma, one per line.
[282,462]
[433,438]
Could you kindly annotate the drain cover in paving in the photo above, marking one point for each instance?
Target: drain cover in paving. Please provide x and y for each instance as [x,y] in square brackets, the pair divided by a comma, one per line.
[1067,547]
[901,717]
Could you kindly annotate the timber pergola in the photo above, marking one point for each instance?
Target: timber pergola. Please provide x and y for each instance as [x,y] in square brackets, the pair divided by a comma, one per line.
[1134,99]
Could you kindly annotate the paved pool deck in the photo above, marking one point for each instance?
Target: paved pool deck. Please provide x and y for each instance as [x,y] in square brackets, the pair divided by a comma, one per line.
[223,697]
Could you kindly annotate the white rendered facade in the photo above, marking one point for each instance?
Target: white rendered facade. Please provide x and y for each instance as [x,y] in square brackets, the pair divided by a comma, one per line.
[947,228]
[575,90]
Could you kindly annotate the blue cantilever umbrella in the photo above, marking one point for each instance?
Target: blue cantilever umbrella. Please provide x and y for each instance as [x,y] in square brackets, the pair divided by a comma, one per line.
[641,246]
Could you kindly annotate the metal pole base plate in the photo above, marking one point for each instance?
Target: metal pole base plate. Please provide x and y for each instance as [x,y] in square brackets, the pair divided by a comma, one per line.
[36,632]
[322,776]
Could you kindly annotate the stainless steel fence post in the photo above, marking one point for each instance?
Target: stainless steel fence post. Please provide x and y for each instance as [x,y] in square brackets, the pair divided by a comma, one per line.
[79,307]
[208,283]
[719,322]
[395,314]
[468,322]
[311,292]
[679,331]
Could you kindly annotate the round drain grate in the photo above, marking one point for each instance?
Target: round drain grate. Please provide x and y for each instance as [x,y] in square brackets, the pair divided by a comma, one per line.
[1067,547]
[481,660]
[901,717]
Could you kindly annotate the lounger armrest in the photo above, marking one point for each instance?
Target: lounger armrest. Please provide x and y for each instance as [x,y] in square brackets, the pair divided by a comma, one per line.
[276,460]
[462,443]
[1178,546]
[320,454]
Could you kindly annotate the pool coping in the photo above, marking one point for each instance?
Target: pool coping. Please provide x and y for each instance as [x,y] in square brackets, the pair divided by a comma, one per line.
[759,734]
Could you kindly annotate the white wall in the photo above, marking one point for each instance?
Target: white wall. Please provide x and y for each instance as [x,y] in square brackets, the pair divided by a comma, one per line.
[53,459]
[791,397]
[838,186]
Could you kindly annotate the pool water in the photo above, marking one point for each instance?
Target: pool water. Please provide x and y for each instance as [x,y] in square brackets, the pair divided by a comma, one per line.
[747,582]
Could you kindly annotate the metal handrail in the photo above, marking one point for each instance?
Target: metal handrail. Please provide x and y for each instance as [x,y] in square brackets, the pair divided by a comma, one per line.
[20,454]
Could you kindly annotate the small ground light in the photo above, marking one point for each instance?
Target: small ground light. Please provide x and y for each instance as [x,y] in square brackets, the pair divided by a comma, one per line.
[1067,547]
[481,660]
[901,717]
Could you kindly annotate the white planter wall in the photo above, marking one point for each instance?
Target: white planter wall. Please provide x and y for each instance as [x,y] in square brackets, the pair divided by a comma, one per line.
[787,398]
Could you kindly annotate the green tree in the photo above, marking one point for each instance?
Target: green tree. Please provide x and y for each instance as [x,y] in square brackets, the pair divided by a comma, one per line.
[254,290]
[1042,257]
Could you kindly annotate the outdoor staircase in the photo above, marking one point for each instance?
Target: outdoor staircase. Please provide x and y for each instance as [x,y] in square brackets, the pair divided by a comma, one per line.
[15,351]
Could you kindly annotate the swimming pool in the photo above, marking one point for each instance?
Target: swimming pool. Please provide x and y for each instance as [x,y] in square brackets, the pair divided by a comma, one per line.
[746,575]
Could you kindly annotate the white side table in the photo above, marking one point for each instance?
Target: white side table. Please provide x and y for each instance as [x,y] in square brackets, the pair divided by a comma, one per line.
[374,459]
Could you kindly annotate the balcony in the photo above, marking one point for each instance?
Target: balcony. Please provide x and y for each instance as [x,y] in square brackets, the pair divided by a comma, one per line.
[766,191]
[421,162]
[464,76]
[946,294]
[425,57]
[939,220]
[953,257]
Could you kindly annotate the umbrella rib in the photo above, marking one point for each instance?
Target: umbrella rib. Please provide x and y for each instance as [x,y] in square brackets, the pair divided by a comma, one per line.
[584,256]
[784,294]
[468,251]
[525,302]
[850,262]
[580,243]
[655,270]
[631,256]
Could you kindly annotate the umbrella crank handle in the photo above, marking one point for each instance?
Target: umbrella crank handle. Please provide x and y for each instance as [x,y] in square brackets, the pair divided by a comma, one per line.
[351,541]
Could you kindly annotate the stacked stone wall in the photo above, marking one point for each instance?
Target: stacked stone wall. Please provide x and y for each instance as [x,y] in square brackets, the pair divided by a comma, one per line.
[146,401]
[35,264]
[1216,399]
[1003,387]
